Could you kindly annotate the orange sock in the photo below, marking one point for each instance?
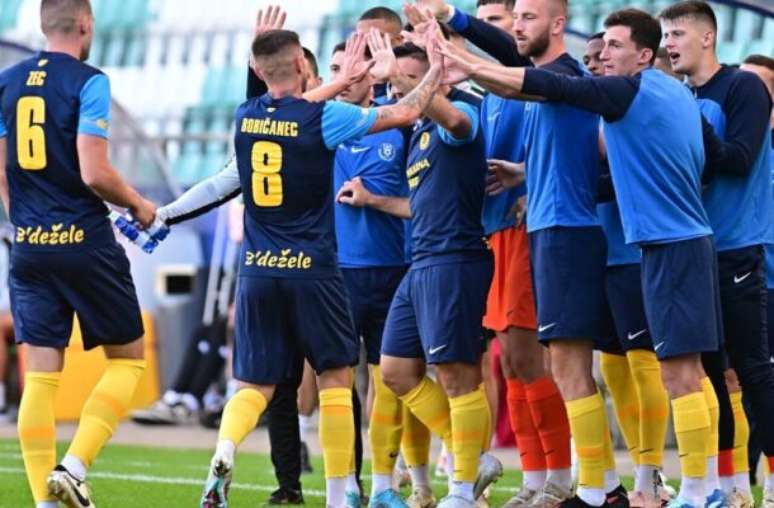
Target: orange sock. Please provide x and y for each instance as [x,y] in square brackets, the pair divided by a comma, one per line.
[527,437]
[550,418]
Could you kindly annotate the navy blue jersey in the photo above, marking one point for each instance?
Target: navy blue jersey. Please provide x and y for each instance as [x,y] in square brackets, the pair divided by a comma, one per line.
[45,102]
[502,121]
[562,159]
[446,179]
[285,149]
[367,237]
[653,131]
[770,246]
[738,200]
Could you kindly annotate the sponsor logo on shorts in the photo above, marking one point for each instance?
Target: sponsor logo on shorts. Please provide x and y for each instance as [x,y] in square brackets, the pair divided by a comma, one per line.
[632,336]
[286,259]
[56,235]
[543,328]
[741,278]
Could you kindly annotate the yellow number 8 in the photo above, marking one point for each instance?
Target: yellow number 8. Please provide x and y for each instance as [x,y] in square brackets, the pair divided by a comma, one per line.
[30,138]
[266,160]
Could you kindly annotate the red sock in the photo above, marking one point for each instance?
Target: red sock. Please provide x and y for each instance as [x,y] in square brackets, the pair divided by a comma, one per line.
[550,418]
[770,461]
[527,438]
[726,463]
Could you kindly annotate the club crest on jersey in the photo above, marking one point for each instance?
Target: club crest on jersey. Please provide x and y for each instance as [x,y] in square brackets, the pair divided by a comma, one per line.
[386,152]
[424,140]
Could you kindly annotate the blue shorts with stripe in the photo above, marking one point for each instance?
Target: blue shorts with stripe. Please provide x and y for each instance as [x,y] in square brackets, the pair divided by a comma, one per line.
[47,288]
[681,296]
[279,321]
[437,311]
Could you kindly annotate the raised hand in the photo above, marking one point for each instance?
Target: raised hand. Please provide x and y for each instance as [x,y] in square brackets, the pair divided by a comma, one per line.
[385,65]
[458,63]
[272,19]
[355,66]
[438,8]
[421,18]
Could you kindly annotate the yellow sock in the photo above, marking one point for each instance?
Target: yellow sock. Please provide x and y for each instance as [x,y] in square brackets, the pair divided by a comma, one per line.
[692,429]
[428,402]
[337,431]
[108,403]
[468,430]
[415,442]
[741,434]
[384,431]
[653,401]
[713,443]
[241,414]
[37,430]
[488,416]
[587,424]
[618,378]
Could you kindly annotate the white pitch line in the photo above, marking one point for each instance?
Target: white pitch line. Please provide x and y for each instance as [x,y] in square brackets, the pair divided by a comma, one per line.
[168,480]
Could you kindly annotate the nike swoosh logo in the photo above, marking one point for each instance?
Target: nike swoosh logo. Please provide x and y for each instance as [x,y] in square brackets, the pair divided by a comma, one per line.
[658,346]
[542,328]
[81,499]
[434,350]
[393,455]
[738,279]
[361,149]
[493,117]
[632,336]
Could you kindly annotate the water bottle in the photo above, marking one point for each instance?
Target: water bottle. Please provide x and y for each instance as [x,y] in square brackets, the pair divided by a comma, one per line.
[158,231]
[135,235]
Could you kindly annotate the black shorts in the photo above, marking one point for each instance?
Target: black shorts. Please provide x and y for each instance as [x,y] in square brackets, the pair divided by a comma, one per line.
[47,288]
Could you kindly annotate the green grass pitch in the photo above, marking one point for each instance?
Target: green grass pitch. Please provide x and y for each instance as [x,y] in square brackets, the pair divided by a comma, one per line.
[133,476]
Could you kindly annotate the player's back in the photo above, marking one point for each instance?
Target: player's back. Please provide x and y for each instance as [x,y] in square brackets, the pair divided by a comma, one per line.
[42,100]
[286,173]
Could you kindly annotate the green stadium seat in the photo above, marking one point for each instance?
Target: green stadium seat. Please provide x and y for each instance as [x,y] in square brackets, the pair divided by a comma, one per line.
[746,25]
[761,47]
[9,14]
[135,51]
[114,50]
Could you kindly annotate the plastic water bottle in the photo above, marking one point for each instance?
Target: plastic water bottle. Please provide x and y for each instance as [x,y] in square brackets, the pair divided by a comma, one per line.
[132,233]
[158,231]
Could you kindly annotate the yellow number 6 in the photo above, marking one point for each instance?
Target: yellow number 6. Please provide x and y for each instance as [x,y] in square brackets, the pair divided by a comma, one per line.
[30,138]
[266,160]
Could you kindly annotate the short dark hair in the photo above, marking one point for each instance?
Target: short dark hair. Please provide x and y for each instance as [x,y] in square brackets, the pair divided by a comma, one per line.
[383,13]
[762,60]
[645,29]
[411,50]
[690,8]
[509,4]
[273,41]
[598,35]
[59,16]
[312,61]
[342,46]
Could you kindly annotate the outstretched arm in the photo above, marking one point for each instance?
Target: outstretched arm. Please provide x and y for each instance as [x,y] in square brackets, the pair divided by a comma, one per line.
[204,196]
[354,193]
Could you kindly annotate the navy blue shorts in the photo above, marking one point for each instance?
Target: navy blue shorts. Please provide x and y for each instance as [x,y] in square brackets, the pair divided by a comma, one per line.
[436,313]
[47,288]
[624,295]
[743,300]
[370,294]
[682,297]
[568,270]
[770,321]
[280,320]
[608,341]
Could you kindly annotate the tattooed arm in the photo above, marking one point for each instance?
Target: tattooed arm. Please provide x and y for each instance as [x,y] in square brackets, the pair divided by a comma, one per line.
[408,110]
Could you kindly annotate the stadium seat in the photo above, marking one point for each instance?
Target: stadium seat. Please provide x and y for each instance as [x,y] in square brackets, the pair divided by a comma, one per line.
[732,52]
